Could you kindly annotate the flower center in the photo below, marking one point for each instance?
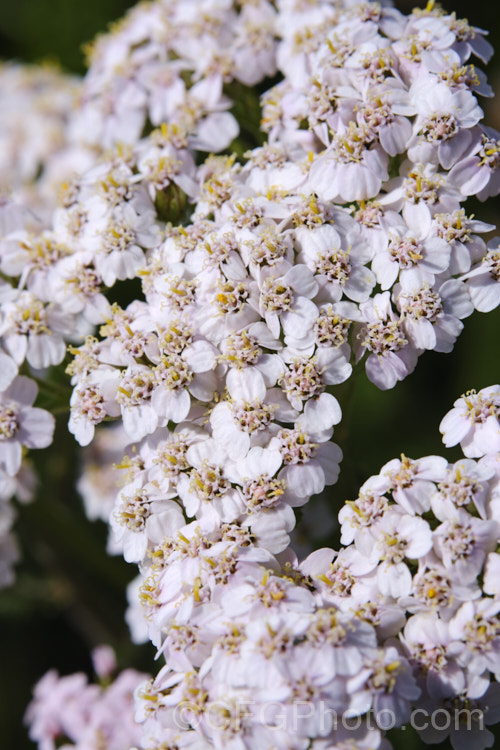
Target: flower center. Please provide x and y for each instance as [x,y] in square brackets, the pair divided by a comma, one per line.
[9,423]
[381,338]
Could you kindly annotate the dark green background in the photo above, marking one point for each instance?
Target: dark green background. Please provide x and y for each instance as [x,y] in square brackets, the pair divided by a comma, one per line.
[69,595]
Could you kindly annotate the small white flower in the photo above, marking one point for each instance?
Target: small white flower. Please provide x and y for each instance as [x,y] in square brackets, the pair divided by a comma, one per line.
[431,316]
[390,357]
[465,482]
[483,281]
[394,538]
[142,517]
[21,424]
[462,543]
[339,264]
[34,330]
[412,482]
[412,252]
[474,423]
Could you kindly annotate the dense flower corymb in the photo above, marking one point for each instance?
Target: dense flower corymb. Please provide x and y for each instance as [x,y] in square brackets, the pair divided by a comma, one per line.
[265,280]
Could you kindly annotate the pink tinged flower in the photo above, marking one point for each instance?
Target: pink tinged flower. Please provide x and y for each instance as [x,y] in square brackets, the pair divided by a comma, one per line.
[271,529]
[419,34]
[119,246]
[366,737]
[434,590]
[465,482]
[13,216]
[270,167]
[411,252]
[386,684]
[266,593]
[443,123]
[474,423]
[215,132]
[206,491]
[302,482]
[457,229]
[339,271]
[358,515]
[134,391]
[166,92]
[76,285]
[382,116]
[421,193]
[253,47]
[462,543]
[469,40]
[427,639]
[151,396]
[92,400]
[61,707]
[113,716]
[478,172]
[412,482]
[395,538]
[286,298]
[431,318]
[306,377]
[390,359]
[351,640]
[483,281]
[162,164]
[235,422]
[475,706]
[308,465]
[319,415]
[333,366]
[34,331]
[475,628]
[491,580]
[214,128]
[31,258]
[21,424]
[256,473]
[348,170]
[143,517]
[68,709]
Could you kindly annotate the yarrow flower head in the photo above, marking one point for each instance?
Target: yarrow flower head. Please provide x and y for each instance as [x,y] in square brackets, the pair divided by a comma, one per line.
[262,279]
[474,422]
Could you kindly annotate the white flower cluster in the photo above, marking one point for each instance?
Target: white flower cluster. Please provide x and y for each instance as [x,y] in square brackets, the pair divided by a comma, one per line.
[37,149]
[387,106]
[265,280]
[36,154]
[31,329]
[171,61]
[422,540]
[261,651]
[405,615]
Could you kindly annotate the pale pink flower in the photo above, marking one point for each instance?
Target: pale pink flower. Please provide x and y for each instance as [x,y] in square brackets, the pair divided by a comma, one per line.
[390,357]
[483,281]
[474,422]
[21,424]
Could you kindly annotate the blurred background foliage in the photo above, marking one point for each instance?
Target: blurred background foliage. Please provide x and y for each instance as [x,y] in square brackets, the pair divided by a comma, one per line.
[69,595]
[35,30]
